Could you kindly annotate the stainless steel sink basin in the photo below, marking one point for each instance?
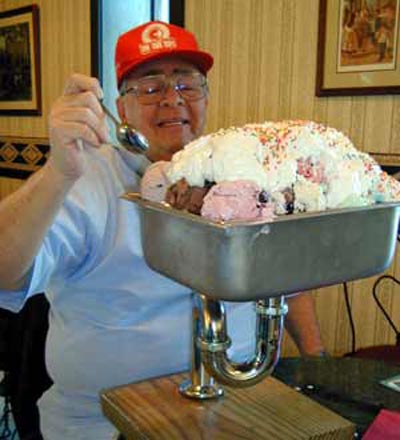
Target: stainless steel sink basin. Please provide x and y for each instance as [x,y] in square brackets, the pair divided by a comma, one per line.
[243,261]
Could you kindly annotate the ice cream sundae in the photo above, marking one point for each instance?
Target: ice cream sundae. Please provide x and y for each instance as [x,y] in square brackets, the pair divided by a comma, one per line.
[259,171]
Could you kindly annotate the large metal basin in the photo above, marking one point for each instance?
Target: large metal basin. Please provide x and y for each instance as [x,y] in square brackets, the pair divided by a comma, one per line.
[242,261]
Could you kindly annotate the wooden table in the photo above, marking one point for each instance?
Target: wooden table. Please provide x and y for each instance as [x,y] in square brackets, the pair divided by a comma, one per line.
[349,386]
[154,409]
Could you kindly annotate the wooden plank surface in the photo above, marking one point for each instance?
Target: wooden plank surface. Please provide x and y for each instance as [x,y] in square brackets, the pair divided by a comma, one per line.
[154,409]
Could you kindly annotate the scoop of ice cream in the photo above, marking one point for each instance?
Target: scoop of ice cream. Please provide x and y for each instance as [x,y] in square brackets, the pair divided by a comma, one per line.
[182,196]
[233,156]
[238,200]
[155,182]
[309,196]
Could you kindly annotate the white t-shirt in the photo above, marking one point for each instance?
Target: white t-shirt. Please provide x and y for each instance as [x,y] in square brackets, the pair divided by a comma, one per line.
[112,320]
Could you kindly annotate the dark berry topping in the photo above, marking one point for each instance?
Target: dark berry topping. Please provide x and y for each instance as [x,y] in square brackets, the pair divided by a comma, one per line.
[290,207]
[208,184]
[263,197]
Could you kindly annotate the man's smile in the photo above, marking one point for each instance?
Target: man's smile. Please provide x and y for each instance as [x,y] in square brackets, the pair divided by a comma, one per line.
[172,122]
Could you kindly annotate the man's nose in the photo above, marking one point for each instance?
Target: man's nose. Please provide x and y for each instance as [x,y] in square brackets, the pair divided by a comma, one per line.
[171,95]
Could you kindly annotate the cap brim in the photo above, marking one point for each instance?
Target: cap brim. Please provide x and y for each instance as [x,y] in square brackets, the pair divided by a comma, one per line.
[200,59]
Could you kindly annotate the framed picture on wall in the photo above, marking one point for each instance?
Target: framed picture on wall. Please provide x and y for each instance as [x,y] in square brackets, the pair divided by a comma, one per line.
[20,92]
[358,48]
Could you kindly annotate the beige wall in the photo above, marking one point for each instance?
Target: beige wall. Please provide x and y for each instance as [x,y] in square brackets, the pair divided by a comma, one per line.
[265,63]
[7,186]
[64,47]
[265,69]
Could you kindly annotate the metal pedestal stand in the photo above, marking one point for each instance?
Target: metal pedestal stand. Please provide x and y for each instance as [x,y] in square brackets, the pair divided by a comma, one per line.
[201,385]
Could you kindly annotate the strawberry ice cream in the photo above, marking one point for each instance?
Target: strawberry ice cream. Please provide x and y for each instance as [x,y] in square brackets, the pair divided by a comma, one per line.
[238,200]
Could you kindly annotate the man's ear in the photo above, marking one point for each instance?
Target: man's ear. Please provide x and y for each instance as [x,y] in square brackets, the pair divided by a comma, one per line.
[121,108]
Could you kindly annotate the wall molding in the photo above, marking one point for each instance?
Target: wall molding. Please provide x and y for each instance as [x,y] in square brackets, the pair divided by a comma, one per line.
[387,159]
[390,162]
[21,156]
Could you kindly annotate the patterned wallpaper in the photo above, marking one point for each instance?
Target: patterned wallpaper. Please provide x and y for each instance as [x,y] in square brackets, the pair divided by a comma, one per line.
[20,157]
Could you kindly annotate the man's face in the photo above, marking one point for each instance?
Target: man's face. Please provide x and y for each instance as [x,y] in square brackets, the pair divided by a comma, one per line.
[171,123]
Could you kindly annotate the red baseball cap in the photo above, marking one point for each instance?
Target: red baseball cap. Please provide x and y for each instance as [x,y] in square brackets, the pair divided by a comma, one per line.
[155,40]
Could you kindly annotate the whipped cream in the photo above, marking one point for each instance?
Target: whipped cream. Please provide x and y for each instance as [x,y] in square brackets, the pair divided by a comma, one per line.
[234,156]
[302,165]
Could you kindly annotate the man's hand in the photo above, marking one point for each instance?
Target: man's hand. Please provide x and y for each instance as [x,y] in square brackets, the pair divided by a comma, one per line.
[75,117]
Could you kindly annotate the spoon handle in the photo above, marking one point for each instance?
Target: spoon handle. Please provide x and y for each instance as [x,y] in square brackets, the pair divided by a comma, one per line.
[109,114]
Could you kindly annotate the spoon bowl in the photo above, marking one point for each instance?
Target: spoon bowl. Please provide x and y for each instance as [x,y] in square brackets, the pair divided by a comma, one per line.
[128,137]
[131,139]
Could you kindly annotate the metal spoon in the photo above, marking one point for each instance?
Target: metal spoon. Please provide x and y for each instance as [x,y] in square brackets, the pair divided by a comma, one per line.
[127,136]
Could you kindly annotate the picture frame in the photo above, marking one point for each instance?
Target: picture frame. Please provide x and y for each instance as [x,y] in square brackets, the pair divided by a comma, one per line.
[358,48]
[20,82]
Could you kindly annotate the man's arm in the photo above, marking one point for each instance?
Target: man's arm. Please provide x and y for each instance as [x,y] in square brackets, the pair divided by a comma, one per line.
[302,324]
[27,214]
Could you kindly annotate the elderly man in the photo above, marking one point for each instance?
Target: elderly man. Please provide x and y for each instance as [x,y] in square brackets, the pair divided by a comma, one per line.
[66,232]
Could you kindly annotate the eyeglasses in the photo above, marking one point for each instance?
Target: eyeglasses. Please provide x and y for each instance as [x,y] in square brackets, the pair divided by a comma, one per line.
[151,89]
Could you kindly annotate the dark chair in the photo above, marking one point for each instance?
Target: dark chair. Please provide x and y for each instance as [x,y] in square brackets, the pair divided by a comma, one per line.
[388,353]
[23,360]
[7,429]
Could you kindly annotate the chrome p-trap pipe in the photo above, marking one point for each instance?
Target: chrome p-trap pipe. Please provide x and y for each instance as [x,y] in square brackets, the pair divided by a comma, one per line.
[214,342]
[210,344]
